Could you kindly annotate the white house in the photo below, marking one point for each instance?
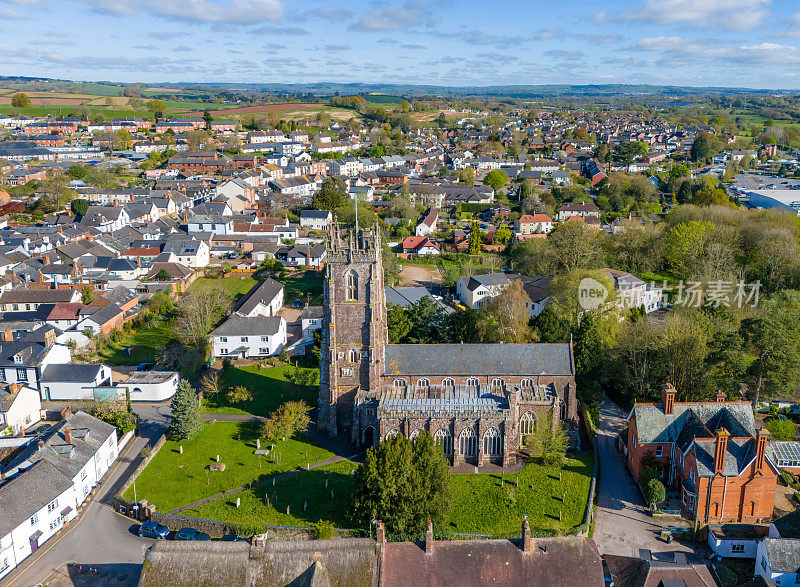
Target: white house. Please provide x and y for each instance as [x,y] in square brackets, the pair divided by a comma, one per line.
[532,224]
[265,300]
[738,540]
[428,224]
[240,337]
[778,560]
[310,320]
[216,224]
[73,381]
[20,407]
[191,252]
[150,386]
[48,483]
[315,219]
[474,291]
[23,361]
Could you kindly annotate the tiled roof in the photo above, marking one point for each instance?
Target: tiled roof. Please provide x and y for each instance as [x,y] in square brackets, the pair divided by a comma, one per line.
[783,554]
[29,492]
[703,418]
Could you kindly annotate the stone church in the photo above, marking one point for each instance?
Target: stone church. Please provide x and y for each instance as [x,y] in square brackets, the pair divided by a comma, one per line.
[477,400]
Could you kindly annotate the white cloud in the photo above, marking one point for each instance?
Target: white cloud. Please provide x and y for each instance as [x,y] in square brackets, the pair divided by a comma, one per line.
[9,14]
[701,14]
[395,17]
[769,54]
[701,48]
[793,28]
[225,11]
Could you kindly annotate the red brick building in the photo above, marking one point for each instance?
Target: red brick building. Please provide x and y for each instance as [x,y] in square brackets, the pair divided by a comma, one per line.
[710,452]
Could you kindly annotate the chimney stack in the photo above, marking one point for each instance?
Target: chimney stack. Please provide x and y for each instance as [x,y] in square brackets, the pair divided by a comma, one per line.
[8,335]
[380,533]
[67,435]
[668,398]
[429,538]
[720,450]
[761,446]
[721,397]
[526,536]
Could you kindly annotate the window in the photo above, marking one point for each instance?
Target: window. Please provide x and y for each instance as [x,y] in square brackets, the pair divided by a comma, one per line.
[264,339]
[83,474]
[399,383]
[527,424]
[262,351]
[526,383]
[764,564]
[352,285]
[445,439]
[34,519]
[737,548]
[492,442]
[467,443]
[659,451]
[22,374]
[390,434]
[52,505]
[423,384]
[244,339]
[498,385]
[55,524]
[353,356]
[223,339]
[448,384]
[473,383]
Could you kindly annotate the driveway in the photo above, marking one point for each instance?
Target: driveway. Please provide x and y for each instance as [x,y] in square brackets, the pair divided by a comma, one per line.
[100,536]
[622,525]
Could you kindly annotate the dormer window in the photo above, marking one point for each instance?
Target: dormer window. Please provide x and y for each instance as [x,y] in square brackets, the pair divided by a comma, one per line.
[18,359]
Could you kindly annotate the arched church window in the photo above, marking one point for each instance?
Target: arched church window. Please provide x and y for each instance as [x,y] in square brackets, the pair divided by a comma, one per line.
[352,285]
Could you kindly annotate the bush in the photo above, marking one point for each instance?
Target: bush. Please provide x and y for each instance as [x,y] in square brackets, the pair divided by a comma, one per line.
[324,530]
[656,493]
[782,429]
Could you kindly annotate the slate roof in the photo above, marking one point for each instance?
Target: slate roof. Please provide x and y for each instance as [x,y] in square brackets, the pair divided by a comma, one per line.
[783,554]
[32,353]
[242,325]
[311,312]
[264,293]
[71,373]
[472,359]
[738,455]
[488,280]
[692,420]
[29,492]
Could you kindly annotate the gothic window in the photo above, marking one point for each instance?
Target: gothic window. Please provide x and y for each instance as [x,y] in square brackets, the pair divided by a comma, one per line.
[353,356]
[445,439]
[498,385]
[352,285]
[448,384]
[527,424]
[390,434]
[414,434]
[473,383]
[526,383]
[423,384]
[399,383]
[468,443]
[492,442]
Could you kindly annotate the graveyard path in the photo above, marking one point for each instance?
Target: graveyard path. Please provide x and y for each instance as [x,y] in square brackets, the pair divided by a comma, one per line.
[229,493]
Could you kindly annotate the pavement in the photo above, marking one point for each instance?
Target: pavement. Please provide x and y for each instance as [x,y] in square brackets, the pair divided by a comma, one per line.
[622,524]
[99,535]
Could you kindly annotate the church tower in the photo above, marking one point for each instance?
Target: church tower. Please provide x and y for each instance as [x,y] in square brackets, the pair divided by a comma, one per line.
[354,330]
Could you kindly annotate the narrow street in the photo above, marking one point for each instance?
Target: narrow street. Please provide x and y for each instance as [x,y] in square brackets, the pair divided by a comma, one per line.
[622,525]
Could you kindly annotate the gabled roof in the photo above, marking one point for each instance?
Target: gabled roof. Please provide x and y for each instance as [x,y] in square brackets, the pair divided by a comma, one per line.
[264,293]
[29,492]
[783,554]
[238,325]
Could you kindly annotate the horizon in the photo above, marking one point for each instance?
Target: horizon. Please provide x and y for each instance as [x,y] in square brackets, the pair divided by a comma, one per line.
[725,44]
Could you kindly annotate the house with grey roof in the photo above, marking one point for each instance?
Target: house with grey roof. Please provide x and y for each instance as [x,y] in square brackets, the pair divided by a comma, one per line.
[20,406]
[73,381]
[710,452]
[241,337]
[265,299]
[778,560]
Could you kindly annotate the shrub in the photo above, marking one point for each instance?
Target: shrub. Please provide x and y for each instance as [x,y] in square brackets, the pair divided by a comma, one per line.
[656,493]
[324,530]
[782,429]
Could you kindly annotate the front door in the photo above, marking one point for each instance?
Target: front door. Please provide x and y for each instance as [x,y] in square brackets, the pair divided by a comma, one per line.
[34,544]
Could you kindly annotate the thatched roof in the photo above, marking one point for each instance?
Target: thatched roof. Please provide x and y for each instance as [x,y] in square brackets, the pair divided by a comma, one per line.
[299,563]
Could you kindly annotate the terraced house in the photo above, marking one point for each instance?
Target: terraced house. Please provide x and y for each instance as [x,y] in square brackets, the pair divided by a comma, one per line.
[711,452]
[478,401]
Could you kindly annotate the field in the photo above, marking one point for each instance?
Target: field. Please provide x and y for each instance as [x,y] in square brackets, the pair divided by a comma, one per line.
[484,505]
[235,287]
[270,389]
[261,108]
[172,479]
[148,343]
[306,286]
[306,494]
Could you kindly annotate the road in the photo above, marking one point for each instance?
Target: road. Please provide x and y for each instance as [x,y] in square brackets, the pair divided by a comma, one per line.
[622,525]
[101,536]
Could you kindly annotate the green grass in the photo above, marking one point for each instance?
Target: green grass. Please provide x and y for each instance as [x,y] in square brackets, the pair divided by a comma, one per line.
[148,343]
[270,389]
[172,479]
[482,506]
[235,287]
[306,285]
[304,488]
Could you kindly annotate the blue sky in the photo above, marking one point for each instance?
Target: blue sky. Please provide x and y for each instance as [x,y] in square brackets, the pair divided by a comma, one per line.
[751,43]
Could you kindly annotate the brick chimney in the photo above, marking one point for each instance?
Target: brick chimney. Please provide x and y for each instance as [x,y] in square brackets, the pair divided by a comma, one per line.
[66,413]
[526,536]
[67,435]
[14,388]
[761,446]
[380,534]
[721,397]
[8,335]
[429,538]
[668,398]
[720,449]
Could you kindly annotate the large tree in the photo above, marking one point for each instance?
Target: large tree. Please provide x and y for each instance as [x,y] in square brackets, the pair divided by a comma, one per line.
[496,179]
[186,421]
[287,420]
[21,100]
[331,194]
[199,311]
[505,318]
[403,483]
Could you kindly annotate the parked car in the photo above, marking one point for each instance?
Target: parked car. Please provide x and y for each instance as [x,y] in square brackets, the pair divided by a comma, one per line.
[191,534]
[153,530]
[297,303]
[233,538]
